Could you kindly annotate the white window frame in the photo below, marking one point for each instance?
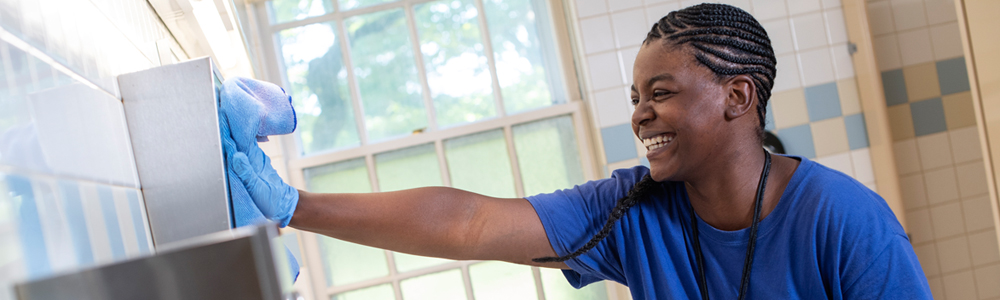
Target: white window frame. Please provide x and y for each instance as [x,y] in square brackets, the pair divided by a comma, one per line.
[269,67]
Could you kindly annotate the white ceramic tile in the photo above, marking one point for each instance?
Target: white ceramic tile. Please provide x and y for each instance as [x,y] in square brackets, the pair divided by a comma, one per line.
[947,220]
[742,4]
[125,224]
[927,254]
[978,213]
[940,11]
[96,229]
[983,246]
[796,7]
[915,47]
[918,223]
[605,71]
[836,29]
[935,150]
[830,3]
[907,159]
[628,56]
[965,144]
[953,254]
[959,285]
[655,12]
[986,281]
[54,228]
[880,17]
[840,162]
[630,27]
[687,3]
[589,8]
[768,9]
[780,33]
[862,162]
[941,185]
[913,191]
[619,5]
[611,106]
[971,179]
[937,287]
[787,76]
[809,31]
[871,186]
[843,65]
[908,14]
[947,41]
[597,34]
[817,67]
[887,52]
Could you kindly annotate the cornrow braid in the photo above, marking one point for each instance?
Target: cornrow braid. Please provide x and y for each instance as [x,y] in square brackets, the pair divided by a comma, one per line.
[728,41]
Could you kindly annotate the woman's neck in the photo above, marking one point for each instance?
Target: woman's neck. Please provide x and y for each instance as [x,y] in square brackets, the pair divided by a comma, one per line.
[725,197]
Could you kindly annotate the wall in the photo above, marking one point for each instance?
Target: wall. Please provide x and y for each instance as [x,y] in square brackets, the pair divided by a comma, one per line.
[69,193]
[918,50]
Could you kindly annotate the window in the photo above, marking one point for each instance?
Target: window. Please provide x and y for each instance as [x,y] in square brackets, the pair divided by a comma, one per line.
[398,94]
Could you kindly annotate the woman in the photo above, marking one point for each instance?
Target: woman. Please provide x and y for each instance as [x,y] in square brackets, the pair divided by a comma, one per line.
[692,225]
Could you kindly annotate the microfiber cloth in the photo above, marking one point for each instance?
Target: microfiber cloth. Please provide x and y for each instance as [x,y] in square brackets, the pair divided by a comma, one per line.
[250,111]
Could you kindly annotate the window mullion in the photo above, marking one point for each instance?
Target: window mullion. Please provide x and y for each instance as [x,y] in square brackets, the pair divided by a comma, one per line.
[442,163]
[352,82]
[467,280]
[484,32]
[421,68]
[536,273]
[514,167]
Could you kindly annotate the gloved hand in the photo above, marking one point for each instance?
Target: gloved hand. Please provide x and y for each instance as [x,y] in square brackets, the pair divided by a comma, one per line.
[275,199]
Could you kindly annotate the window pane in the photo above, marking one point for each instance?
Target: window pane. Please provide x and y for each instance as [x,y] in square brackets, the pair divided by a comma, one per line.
[557,288]
[350,176]
[547,155]
[408,168]
[352,4]
[524,50]
[445,285]
[386,74]
[378,292]
[315,74]
[409,262]
[497,280]
[346,262]
[457,71]
[282,11]
[479,163]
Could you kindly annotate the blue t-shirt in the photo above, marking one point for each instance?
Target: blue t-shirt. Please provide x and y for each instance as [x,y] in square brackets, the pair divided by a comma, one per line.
[829,237]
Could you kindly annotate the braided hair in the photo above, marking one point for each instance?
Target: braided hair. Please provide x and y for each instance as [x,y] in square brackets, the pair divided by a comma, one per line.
[723,38]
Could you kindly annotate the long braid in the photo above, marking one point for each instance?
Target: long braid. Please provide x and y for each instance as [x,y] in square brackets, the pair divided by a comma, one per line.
[727,40]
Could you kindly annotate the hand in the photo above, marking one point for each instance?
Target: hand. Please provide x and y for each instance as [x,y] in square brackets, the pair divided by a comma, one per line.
[275,199]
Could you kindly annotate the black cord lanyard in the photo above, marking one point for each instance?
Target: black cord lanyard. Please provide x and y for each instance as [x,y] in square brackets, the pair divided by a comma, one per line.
[748,262]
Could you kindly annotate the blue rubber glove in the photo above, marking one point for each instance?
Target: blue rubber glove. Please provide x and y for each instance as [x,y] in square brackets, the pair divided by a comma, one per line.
[275,199]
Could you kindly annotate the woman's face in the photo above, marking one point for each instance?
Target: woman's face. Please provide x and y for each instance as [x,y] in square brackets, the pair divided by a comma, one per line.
[679,112]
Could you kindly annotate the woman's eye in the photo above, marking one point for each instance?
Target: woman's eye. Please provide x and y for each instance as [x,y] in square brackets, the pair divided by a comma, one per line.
[635,101]
[660,93]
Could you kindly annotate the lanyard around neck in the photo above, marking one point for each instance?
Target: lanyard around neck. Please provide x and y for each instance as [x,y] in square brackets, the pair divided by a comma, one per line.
[748,261]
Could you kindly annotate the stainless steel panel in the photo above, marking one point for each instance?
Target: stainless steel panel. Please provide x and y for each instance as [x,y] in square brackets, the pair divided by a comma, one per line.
[172,116]
[237,264]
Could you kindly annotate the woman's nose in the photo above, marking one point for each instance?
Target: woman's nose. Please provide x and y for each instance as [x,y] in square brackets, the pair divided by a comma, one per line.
[642,114]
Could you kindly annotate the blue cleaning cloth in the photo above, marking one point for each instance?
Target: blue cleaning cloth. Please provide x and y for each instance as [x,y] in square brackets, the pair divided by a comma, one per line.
[243,119]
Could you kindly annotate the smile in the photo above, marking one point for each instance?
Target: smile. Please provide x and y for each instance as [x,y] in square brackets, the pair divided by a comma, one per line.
[658,141]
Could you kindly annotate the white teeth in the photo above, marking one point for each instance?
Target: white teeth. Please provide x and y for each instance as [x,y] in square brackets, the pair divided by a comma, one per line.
[656,142]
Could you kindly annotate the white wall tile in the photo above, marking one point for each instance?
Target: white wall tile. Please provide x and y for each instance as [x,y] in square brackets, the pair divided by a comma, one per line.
[937,287]
[125,224]
[765,10]
[978,213]
[619,5]
[802,6]
[655,12]
[589,8]
[835,27]
[941,185]
[915,47]
[918,223]
[843,65]
[986,281]
[940,11]
[947,220]
[913,191]
[742,4]
[959,285]
[817,67]
[99,241]
[927,255]
[628,56]
[953,254]
[54,228]
[935,150]
[983,246]
[971,179]
[880,17]
[809,31]
[630,27]
[907,159]
[840,162]
[830,3]
[780,33]
[787,76]
[597,34]
[605,71]
[612,107]
[947,41]
[908,14]
[862,162]
[965,144]
[887,52]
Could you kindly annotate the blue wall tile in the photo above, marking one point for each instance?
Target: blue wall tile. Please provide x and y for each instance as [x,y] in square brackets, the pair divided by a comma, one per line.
[77,222]
[952,76]
[822,102]
[857,133]
[643,161]
[928,117]
[137,223]
[798,140]
[895,87]
[619,143]
[29,227]
[111,222]
[769,117]
[291,241]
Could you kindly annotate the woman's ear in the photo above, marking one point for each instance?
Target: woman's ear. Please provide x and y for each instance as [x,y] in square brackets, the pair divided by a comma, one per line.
[741,96]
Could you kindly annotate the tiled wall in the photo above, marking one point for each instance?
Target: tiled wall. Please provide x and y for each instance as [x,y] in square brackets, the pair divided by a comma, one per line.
[918,49]
[815,93]
[69,193]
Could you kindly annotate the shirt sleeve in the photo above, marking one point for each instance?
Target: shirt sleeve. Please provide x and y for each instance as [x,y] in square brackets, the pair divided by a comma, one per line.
[894,274]
[572,216]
